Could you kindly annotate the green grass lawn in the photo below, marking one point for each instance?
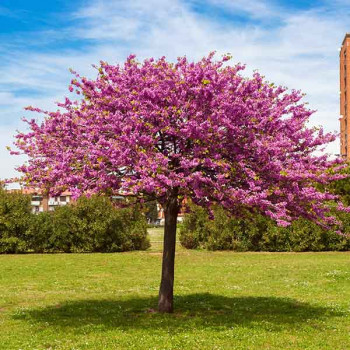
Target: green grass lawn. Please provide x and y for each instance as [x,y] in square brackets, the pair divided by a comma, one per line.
[224,300]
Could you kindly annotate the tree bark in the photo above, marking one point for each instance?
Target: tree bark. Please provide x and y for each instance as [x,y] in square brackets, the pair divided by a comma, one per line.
[166,290]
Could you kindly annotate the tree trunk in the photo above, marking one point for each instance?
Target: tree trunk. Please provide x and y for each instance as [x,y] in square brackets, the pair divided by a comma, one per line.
[165,301]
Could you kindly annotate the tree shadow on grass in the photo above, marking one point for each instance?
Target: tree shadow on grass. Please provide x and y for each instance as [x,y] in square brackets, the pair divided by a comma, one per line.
[191,311]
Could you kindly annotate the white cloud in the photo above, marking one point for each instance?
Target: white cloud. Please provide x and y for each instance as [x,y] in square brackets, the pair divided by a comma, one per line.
[254,8]
[301,53]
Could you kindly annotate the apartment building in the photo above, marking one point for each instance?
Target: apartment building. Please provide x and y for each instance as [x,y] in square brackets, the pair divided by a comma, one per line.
[42,202]
[344,60]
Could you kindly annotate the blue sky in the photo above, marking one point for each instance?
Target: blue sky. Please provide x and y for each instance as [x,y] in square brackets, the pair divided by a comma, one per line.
[293,43]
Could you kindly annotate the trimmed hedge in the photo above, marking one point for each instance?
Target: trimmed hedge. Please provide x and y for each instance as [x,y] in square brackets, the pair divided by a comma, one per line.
[257,233]
[89,225]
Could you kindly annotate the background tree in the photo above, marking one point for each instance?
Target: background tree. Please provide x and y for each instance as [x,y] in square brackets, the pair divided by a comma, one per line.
[166,130]
[151,210]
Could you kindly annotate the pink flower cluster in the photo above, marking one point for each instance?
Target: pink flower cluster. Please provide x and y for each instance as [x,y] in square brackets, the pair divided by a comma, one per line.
[197,129]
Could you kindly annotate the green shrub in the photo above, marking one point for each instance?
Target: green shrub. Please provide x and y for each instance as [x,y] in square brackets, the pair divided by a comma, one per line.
[15,214]
[99,227]
[193,232]
[257,233]
[223,233]
[39,232]
[89,225]
[12,245]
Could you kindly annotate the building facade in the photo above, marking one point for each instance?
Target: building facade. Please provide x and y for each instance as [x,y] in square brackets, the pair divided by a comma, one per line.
[42,202]
[344,59]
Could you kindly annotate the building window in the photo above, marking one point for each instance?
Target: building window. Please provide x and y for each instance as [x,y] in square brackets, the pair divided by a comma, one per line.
[63,198]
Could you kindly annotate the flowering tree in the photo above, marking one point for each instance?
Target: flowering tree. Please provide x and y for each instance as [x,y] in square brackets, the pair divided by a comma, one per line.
[165,131]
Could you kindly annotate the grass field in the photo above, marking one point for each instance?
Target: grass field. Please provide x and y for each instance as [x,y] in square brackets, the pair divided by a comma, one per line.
[224,300]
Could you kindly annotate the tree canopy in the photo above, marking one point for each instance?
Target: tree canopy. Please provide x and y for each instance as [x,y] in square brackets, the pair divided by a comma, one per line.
[200,128]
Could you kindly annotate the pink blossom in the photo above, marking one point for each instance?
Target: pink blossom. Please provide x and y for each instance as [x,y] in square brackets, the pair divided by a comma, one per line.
[190,129]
